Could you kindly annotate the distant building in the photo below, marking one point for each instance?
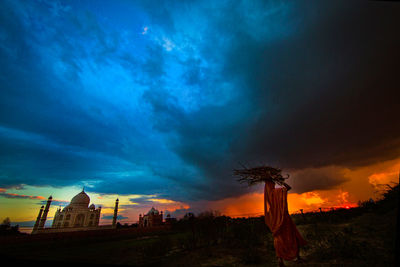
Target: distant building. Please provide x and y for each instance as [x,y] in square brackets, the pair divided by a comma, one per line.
[76,216]
[169,220]
[152,218]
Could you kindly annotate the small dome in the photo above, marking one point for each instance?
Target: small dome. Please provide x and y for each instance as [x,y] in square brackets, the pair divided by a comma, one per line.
[92,207]
[67,208]
[153,211]
[81,199]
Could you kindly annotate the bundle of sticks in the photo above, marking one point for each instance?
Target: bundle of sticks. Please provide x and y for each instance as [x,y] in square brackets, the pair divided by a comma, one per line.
[260,174]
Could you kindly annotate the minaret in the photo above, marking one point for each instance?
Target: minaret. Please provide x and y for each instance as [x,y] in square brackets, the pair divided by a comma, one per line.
[46,210]
[35,227]
[98,216]
[114,221]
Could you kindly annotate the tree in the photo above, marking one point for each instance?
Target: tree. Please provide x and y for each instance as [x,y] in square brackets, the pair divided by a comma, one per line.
[7,229]
[6,223]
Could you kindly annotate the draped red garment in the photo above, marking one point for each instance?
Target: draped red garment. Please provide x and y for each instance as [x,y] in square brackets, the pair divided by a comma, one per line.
[287,238]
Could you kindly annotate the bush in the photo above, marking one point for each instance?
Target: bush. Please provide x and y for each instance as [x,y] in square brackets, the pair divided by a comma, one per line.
[204,230]
[156,248]
[7,229]
[247,232]
[329,244]
[251,255]
[187,242]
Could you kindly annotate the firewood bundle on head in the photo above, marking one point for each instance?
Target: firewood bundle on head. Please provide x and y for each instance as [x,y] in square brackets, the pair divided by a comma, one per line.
[260,174]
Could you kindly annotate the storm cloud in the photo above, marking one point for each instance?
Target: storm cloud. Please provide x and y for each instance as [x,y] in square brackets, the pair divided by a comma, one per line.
[90,97]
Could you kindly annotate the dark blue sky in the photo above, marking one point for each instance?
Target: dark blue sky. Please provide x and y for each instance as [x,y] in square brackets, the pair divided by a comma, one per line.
[166,97]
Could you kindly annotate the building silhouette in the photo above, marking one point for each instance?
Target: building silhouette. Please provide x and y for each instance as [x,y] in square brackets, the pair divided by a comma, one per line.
[152,218]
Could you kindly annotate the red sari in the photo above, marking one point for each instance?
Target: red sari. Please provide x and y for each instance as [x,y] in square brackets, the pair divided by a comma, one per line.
[287,239]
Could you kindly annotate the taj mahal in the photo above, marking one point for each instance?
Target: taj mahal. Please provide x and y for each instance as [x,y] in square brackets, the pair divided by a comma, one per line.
[76,216]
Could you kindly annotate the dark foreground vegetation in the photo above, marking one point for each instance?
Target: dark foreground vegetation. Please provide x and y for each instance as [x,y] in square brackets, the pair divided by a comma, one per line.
[363,236]
[7,230]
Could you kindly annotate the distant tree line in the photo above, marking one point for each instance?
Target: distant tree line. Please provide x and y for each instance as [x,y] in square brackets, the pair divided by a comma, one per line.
[7,229]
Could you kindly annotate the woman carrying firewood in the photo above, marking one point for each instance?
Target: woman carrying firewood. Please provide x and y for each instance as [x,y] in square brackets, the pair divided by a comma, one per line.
[287,239]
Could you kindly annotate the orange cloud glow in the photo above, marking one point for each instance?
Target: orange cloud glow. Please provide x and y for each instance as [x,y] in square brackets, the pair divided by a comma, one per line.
[377,179]
[312,198]
[244,206]
[251,205]
[361,184]
[3,193]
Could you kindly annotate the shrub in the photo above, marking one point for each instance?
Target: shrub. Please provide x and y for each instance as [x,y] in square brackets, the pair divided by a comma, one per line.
[157,248]
[251,255]
[327,243]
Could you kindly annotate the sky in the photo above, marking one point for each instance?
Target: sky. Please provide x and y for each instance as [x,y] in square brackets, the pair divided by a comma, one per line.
[157,102]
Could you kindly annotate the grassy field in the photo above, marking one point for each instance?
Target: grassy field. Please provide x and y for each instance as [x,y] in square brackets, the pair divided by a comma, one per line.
[363,236]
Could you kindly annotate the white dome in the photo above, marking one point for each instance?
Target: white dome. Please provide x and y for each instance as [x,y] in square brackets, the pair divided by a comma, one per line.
[81,199]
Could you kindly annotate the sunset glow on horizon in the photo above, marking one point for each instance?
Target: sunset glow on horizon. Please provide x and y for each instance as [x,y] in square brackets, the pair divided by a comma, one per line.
[246,205]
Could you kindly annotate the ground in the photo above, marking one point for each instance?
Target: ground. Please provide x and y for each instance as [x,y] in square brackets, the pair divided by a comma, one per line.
[356,237]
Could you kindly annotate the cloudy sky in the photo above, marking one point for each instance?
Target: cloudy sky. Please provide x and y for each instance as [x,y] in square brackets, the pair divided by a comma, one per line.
[156,102]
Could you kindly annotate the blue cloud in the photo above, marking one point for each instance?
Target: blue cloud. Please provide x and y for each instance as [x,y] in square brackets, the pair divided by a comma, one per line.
[85,96]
